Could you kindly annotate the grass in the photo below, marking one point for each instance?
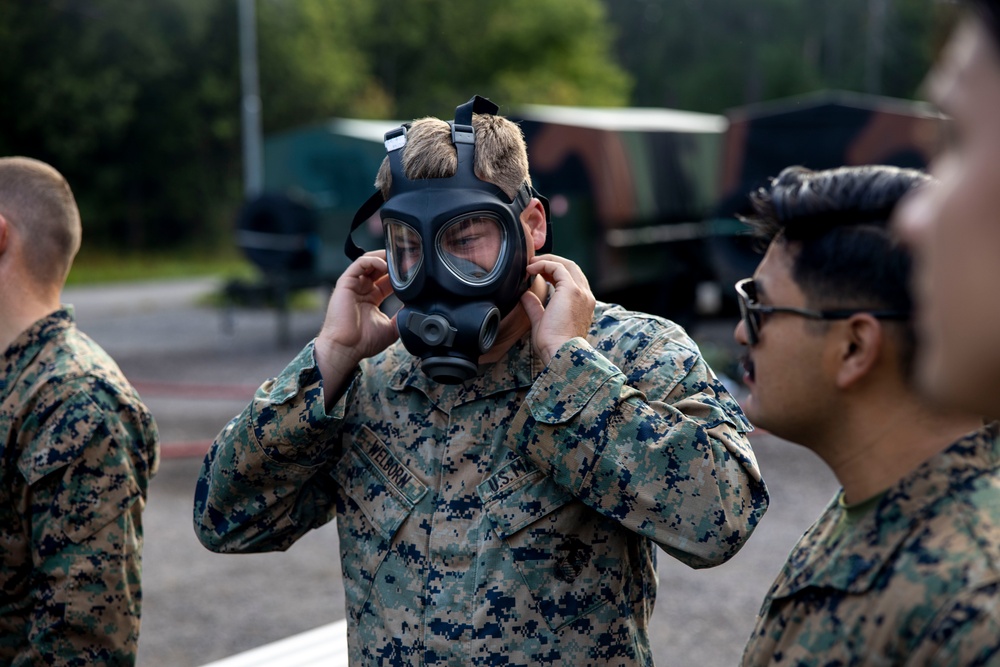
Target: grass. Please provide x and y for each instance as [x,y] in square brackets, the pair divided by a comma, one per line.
[101,266]
[297,300]
[107,266]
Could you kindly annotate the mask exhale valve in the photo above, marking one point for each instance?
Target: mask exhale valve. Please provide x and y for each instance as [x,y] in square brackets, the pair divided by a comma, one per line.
[433,330]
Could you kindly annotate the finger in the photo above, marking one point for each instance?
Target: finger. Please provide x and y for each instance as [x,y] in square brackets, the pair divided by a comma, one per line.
[375,290]
[384,286]
[374,263]
[553,258]
[366,270]
[568,264]
[532,307]
[558,272]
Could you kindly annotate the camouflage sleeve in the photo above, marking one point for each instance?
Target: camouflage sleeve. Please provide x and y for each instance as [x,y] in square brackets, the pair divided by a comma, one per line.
[662,450]
[966,632]
[87,463]
[266,480]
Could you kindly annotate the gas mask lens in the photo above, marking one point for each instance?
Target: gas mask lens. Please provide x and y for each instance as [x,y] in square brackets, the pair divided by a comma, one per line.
[472,247]
[405,252]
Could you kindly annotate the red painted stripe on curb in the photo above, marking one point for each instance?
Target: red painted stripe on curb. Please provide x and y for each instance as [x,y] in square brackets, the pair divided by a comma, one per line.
[182,450]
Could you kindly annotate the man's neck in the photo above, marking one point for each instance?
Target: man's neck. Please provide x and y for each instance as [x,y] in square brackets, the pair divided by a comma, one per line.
[880,443]
[19,309]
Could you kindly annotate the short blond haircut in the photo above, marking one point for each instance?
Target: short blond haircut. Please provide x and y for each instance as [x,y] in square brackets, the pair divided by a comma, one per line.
[501,155]
[37,201]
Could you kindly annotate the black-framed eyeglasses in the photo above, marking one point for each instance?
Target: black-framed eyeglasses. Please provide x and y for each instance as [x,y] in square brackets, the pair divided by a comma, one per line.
[753,312]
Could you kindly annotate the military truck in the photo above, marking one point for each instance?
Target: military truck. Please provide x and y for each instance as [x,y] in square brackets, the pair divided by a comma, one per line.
[818,131]
[628,190]
[645,200]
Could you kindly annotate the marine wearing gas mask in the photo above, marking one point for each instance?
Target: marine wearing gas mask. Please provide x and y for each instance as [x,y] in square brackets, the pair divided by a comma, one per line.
[456,252]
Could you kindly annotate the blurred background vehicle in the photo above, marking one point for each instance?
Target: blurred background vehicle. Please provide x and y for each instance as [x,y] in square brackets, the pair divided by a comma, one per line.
[646,200]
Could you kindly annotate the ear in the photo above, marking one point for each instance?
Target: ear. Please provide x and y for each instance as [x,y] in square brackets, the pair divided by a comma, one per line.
[859,349]
[533,217]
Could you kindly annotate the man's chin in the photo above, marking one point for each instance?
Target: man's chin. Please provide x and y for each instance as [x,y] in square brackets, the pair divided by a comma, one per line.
[751,410]
[944,386]
[933,371]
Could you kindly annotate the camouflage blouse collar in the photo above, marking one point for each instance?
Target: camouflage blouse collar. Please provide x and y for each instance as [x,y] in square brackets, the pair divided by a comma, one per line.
[516,370]
[26,347]
[854,560]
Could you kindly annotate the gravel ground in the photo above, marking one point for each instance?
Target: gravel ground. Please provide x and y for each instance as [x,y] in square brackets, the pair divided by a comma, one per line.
[199,606]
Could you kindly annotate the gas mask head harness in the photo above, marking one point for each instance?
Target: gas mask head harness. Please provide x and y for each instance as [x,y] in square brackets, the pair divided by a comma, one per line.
[456,252]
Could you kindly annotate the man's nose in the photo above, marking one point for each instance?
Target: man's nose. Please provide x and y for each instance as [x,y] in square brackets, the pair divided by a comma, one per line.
[740,333]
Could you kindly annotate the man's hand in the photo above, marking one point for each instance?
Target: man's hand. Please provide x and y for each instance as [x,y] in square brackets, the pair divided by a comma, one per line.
[569,311]
[354,327]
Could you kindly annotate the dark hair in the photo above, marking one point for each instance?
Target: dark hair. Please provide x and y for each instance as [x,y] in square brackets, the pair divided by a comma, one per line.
[988,11]
[837,220]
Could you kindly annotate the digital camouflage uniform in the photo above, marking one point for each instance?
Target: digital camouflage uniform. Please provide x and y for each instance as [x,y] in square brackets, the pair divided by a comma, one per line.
[78,449]
[506,521]
[914,581]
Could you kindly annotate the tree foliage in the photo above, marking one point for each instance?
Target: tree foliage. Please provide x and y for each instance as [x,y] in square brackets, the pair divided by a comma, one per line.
[710,55]
[133,102]
[138,103]
[429,53]
[312,64]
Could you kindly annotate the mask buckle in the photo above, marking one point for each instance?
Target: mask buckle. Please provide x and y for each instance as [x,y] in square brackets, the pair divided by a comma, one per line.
[462,134]
[395,139]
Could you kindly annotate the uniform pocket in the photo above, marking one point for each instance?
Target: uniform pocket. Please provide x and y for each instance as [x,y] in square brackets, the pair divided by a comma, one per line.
[377,494]
[571,557]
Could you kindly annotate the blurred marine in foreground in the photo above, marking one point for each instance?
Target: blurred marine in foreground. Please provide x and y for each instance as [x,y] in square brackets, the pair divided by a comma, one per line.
[903,567]
[502,455]
[954,228]
[77,449]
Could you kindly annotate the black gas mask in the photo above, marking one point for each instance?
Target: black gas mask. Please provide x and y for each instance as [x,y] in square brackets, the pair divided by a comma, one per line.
[456,252]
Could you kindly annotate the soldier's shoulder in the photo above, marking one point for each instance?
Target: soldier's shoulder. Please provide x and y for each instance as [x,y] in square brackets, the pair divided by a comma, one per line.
[957,535]
[971,509]
[69,390]
[74,361]
[956,558]
[628,335]
[614,321]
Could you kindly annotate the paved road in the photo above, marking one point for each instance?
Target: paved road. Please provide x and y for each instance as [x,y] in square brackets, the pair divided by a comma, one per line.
[201,606]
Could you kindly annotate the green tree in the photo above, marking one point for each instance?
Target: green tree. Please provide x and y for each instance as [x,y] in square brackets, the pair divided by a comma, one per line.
[131,101]
[137,103]
[710,55]
[312,65]
[384,58]
[430,54]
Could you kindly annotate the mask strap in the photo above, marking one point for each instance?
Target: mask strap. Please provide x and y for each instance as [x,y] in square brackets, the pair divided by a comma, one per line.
[463,112]
[395,139]
[547,246]
[462,134]
[367,210]
[524,194]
